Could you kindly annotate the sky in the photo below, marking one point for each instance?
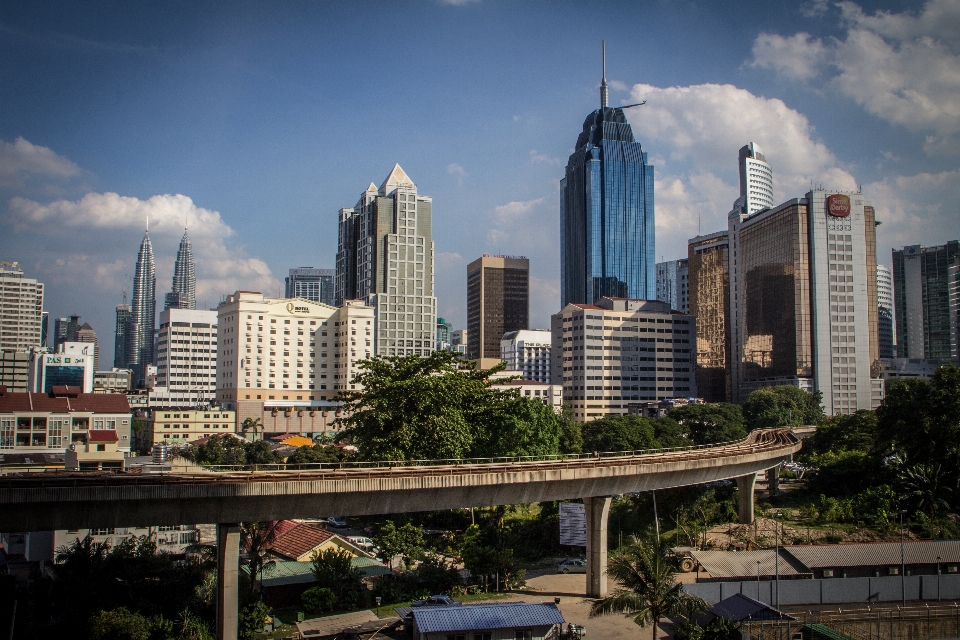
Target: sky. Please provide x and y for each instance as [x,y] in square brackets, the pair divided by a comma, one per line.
[255,123]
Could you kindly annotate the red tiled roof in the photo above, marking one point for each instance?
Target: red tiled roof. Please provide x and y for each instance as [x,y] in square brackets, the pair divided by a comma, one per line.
[66,390]
[299,540]
[283,526]
[104,435]
[92,402]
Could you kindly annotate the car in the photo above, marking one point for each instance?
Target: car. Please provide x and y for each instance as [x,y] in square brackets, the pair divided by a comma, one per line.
[337,521]
[363,542]
[437,601]
[572,565]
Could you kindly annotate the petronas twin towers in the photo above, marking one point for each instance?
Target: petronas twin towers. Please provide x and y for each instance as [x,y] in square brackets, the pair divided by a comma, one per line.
[138,338]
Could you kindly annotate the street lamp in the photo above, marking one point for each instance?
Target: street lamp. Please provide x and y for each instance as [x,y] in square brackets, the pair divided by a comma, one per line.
[938,577]
[903,565]
[776,538]
[758,580]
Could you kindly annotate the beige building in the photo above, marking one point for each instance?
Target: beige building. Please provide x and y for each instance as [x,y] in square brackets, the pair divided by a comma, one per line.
[620,352]
[182,426]
[100,452]
[187,356]
[550,394]
[708,268]
[21,309]
[498,302]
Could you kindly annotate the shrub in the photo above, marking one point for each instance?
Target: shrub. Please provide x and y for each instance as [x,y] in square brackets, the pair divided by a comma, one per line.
[251,620]
[318,599]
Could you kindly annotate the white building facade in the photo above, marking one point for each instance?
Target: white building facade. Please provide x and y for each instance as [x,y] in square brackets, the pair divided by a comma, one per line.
[756,179]
[886,325]
[528,352]
[187,356]
[21,309]
[72,365]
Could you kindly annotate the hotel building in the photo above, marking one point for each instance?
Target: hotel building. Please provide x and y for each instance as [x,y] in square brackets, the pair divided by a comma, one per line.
[187,356]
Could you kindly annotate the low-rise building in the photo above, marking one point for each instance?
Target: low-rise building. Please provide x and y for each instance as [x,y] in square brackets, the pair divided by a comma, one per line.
[174,425]
[99,453]
[72,365]
[113,381]
[527,620]
[528,352]
[893,369]
[550,394]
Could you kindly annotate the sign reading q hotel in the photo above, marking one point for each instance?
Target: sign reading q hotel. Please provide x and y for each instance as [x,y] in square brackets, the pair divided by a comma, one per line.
[838,205]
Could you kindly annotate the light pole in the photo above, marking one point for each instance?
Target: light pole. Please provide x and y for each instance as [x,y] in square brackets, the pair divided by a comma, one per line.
[758,580]
[776,538]
[903,565]
[938,577]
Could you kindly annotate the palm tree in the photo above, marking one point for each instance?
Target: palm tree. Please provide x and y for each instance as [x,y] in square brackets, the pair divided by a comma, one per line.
[256,538]
[251,424]
[647,590]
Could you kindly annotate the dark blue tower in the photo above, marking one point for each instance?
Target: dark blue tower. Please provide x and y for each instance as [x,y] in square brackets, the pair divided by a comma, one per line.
[606,212]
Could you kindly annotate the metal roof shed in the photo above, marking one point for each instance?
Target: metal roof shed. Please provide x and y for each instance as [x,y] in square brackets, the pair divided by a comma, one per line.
[434,623]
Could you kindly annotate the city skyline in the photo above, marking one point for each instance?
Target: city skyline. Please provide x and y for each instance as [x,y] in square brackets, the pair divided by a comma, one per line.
[258,187]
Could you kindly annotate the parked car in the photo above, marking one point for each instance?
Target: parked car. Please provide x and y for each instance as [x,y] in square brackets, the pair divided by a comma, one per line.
[572,565]
[337,521]
[363,542]
[437,601]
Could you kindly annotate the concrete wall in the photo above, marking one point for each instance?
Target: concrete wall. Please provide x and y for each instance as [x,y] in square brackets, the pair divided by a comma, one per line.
[832,590]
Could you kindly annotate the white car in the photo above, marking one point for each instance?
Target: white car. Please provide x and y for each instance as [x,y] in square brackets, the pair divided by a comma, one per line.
[363,542]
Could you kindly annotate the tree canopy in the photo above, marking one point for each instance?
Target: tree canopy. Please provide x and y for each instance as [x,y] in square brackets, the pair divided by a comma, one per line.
[440,407]
[629,433]
[711,423]
[784,406]
[229,450]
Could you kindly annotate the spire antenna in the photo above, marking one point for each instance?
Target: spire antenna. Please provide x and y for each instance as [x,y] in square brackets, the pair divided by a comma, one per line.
[604,91]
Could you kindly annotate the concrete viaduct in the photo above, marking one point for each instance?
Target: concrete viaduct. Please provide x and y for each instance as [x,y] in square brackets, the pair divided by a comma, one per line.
[50,501]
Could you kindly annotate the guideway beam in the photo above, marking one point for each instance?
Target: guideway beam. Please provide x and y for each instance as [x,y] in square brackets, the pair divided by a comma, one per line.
[597,510]
[228,561]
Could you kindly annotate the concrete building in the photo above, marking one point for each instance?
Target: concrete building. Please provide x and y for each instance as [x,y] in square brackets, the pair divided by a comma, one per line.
[100,452]
[15,369]
[803,300]
[893,369]
[672,284]
[187,356]
[885,313]
[21,309]
[65,330]
[953,295]
[139,332]
[528,352]
[458,338]
[113,381]
[50,422]
[311,284]
[72,365]
[921,283]
[619,351]
[550,394]
[756,179]
[87,335]
[183,293]
[119,333]
[173,425]
[385,258]
[498,302]
[443,334]
[709,278]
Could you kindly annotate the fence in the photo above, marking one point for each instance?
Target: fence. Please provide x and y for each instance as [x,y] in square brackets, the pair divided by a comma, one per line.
[872,623]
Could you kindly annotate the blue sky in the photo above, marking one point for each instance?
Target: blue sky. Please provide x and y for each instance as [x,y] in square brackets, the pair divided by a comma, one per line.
[259,121]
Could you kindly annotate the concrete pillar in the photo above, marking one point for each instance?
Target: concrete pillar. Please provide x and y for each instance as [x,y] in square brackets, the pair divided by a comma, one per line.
[598,512]
[228,561]
[745,495]
[773,480]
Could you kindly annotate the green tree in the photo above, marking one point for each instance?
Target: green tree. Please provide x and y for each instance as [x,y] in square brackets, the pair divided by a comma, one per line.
[251,424]
[252,619]
[711,423]
[927,487]
[260,452]
[119,624]
[319,454]
[670,433]
[318,599]
[784,406]
[406,541]
[855,432]
[619,433]
[334,570]
[571,432]
[256,539]
[516,426]
[647,589]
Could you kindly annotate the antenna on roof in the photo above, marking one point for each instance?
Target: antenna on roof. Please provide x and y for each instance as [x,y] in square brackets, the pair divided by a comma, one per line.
[604,91]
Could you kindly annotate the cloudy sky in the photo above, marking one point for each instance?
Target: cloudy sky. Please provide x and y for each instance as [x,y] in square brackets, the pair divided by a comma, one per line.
[256,122]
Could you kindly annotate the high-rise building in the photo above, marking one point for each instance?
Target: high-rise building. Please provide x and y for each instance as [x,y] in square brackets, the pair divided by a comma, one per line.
[187,356]
[385,258]
[44,327]
[529,353]
[621,352]
[709,273]
[443,333]
[87,335]
[498,301]
[184,292]
[885,313]
[64,330]
[803,300]
[21,309]
[140,327]
[119,340]
[606,213]
[953,295]
[921,298]
[311,284]
[756,180]
[672,284]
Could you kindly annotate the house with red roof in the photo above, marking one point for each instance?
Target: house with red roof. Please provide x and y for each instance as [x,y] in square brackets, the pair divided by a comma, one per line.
[300,541]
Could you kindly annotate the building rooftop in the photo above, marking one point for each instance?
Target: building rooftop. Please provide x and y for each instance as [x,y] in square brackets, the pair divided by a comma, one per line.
[64,400]
[740,608]
[875,554]
[509,615]
[104,435]
[740,565]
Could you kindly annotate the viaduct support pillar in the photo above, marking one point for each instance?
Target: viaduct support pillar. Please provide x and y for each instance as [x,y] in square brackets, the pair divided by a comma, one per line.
[745,495]
[228,561]
[773,480]
[597,511]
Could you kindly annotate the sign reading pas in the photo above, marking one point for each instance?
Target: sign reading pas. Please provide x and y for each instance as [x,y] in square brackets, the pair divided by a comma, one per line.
[838,205]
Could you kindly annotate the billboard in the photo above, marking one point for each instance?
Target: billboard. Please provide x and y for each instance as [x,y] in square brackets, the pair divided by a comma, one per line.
[573,524]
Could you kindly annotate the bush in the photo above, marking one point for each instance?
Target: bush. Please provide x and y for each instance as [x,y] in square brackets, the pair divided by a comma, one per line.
[119,624]
[251,620]
[318,599]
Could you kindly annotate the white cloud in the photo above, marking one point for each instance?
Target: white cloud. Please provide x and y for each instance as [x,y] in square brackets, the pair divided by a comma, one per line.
[21,159]
[541,158]
[901,67]
[458,3]
[455,169]
[512,213]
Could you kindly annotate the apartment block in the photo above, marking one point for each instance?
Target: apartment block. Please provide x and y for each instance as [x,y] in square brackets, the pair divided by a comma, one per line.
[187,356]
[21,309]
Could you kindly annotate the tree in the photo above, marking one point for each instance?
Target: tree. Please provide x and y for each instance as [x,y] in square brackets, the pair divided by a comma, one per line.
[516,426]
[318,454]
[119,624]
[256,539]
[405,541]
[318,599]
[571,432]
[252,619]
[251,424]
[711,423]
[784,406]
[260,452]
[927,486]
[855,432]
[647,589]
[619,433]
[334,570]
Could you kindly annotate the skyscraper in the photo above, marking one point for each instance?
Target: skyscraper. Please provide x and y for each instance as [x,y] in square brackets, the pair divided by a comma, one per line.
[672,284]
[86,334]
[921,297]
[21,309]
[311,284]
[709,271]
[498,301]
[119,340]
[143,307]
[756,179]
[385,257]
[606,212]
[885,322]
[184,292]
[65,330]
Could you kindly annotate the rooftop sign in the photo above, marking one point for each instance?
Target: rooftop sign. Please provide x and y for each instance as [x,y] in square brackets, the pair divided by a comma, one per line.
[838,205]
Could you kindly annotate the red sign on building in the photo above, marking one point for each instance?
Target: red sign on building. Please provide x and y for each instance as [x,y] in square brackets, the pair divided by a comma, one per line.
[838,205]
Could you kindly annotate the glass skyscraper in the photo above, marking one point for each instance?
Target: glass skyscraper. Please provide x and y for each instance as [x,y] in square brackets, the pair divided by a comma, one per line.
[606,213]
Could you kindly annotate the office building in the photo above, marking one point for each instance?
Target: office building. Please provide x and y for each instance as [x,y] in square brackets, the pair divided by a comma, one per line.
[529,353]
[87,335]
[44,327]
[673,285]
[885,313]
[756,180]
[72,365]
[183,294]
[311,284]
[953,295]
[620,352]
[921,283]
[803,300]
[443,333]
[21,309]
[498,302]
[709,280]
[187,356]
[138,335]
[15,369]
[606,213]
[65,330]
[385,258]
[113,381]
[119,336]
